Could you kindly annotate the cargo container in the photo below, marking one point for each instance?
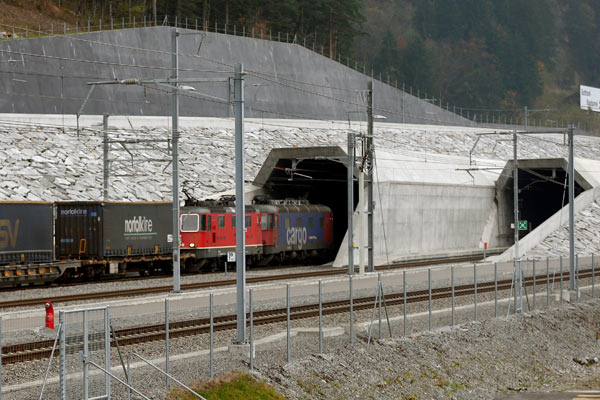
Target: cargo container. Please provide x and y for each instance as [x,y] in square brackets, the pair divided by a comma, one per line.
[97,230]
[25,232]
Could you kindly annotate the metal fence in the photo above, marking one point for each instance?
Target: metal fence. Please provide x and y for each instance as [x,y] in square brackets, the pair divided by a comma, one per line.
[313,315]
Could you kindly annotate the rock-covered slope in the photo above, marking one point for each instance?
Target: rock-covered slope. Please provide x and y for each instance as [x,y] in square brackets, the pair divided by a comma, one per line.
[43,162]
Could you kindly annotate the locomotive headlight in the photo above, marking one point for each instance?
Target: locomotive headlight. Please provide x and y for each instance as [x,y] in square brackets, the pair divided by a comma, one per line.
[192,245]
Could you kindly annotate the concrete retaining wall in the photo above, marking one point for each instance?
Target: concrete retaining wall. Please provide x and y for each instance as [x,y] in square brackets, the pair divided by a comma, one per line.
[426,220]
[57,82]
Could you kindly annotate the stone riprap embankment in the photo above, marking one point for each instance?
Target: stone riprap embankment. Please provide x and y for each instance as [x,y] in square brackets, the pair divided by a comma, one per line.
[50,163]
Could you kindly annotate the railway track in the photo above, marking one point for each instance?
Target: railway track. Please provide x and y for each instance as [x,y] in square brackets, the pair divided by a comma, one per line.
[215,284]
[150,333]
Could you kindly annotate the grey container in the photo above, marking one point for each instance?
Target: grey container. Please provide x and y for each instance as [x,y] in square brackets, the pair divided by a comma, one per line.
[96,230]
[25,232]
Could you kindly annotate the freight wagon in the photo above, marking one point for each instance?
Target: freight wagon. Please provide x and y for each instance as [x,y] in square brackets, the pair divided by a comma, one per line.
[114,237]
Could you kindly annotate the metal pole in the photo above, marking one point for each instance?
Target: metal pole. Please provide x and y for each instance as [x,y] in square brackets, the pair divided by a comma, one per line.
[429,285]
[475,291]
[320,318]
[518,303]
[211,338]
[351,311]
[106,164]
[534,287]
[561,280]
[576,277]
[380,291]
[240,222]
[547,282]
[592,276]
[63,357]
[167,343]
[571,212]
[287,295]
[361,224]
[175,161]
[350,198]
[452,286]
[495,290]
[86,355]
[1,358]
[128,377]
[369,163]
[404,295]
[107,350]
[250,305]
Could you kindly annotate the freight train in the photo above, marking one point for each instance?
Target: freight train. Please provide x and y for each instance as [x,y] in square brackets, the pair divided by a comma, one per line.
[43,242]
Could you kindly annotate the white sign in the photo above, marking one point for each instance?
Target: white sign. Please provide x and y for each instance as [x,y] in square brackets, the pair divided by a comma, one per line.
[589,98]
[231,256]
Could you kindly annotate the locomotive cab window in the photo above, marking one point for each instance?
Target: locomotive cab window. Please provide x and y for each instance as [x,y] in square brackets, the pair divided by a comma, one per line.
[209,223]
[299,222]
[263,222]
[221,221]
[248,221]
[233,221]
[189,222]
[203,222]
[311,223]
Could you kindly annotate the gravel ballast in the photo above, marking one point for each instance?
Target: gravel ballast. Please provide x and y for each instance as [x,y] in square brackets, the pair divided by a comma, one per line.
[544,350]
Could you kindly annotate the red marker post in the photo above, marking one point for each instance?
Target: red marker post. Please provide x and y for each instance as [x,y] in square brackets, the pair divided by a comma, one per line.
[484,250]
[49,315]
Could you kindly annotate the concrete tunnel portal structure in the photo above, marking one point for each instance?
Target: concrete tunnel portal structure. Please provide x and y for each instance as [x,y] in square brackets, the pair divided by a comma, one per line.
[543,191]
[428,214]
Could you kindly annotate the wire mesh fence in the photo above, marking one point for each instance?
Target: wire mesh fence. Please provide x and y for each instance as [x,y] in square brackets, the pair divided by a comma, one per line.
[288,322]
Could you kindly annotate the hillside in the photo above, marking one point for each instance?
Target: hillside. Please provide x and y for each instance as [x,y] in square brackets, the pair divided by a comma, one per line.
[484,57]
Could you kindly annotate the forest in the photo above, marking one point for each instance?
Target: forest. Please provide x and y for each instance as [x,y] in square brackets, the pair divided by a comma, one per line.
[487,55]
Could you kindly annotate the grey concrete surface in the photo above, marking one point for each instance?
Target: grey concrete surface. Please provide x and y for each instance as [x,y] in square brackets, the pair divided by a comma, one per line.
[50,75]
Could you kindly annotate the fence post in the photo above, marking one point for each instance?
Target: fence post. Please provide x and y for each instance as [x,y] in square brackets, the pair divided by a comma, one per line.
[592,276]
[534,287]
[380,291]
[429,285]
[289,347]
[211,335]
[475,286]
[404,295]
[107,350]
[112,26]
[63,357]
[547,282]
[452,288]
[52,28]
[351,311]
[89,25]
[85,355]
[64,28]
[167,344]
[495,290]
[561,281]
[250,305]
[128,376]
[123,22]
[320,318]
[0,357]
[76,26]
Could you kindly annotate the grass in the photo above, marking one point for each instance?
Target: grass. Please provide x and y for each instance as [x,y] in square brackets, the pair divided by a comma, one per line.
[235,386]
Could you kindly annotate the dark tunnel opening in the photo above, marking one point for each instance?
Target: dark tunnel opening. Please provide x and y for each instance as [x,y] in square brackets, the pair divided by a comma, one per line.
[320,181]
[542,192]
